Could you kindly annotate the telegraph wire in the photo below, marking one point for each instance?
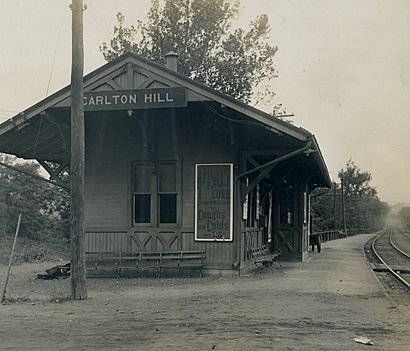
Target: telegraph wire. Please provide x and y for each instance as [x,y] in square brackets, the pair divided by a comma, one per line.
[49,79]
[55,52]
[240,121]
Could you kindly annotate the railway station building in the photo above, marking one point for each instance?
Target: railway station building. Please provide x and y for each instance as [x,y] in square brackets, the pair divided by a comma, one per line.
[172,164]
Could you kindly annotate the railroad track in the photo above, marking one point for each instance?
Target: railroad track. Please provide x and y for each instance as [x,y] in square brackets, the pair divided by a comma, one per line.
[401,242]
[392,247]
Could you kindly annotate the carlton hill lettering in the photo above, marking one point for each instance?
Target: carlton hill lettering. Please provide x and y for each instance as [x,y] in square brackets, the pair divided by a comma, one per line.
[135,99]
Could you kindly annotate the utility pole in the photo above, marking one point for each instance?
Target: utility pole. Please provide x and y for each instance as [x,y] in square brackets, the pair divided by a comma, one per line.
[343,205]
[334,206]
[77,266]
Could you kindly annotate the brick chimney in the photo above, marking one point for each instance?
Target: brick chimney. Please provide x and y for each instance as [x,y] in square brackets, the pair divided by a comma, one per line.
[172,61]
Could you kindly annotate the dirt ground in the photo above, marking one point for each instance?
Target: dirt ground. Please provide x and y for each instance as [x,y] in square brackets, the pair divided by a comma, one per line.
[318,305]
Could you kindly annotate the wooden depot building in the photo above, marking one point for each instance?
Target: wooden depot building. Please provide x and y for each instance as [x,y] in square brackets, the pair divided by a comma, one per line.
[173,165]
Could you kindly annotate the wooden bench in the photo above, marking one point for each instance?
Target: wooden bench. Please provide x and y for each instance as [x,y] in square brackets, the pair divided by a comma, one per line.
[158,260]
[263,258]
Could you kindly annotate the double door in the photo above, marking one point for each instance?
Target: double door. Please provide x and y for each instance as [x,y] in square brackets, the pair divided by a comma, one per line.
[155,205]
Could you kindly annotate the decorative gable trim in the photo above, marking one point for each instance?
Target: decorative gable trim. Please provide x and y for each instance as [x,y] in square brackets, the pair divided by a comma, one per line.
[132,71]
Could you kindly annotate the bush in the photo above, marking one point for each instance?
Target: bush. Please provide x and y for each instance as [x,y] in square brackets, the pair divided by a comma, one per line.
[44,208]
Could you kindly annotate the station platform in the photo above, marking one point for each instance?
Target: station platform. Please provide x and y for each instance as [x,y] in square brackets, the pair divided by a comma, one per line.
[340,287]
[321,304]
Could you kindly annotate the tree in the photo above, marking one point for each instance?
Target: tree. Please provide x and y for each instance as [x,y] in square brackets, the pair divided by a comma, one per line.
[356,181]
[45,207]
[322,210]
[233,61]
[363,208]
[403,216]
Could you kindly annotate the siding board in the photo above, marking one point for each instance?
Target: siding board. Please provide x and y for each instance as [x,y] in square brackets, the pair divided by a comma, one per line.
[113,141]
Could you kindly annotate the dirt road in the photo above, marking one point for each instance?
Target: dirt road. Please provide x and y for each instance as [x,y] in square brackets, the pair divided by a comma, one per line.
[318,305]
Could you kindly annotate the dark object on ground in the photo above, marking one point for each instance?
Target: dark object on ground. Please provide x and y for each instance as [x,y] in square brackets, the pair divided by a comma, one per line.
[56,272]
[316,239]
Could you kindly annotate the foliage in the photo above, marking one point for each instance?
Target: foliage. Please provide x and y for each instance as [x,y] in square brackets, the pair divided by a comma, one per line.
[403,216]
[356,181]
[322,209]
[363,208]
[33,250]
[44,207]
[233,61]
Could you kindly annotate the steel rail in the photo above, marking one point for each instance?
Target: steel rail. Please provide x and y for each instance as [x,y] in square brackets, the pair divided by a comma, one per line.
[397,276]
[396,247]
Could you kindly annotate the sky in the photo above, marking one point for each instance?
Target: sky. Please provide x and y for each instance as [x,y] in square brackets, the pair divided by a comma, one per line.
[344,70]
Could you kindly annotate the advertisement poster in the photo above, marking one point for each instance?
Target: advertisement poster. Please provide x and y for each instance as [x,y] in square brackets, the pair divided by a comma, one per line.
[214,202]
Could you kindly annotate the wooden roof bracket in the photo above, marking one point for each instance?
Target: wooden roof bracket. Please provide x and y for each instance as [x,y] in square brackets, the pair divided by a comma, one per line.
[282,177]
[55,173]
[277,160]
[33,175]
[262,175]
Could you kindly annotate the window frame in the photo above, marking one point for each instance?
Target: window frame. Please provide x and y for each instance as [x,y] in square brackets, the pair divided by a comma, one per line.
[159,193]
[288,203]
[155,193]
[133,193]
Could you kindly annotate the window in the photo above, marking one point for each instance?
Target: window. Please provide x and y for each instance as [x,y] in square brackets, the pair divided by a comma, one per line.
[251,210]
[154,192]
[167,193]
[141,191]
[286,204]
[305,208]
[245,207]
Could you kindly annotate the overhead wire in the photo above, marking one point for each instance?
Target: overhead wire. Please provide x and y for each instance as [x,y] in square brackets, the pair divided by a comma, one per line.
[239,121]
[55,52]
[49,80]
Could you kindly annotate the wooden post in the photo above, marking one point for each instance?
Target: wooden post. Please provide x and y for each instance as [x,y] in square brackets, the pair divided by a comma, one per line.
[3,297]
[334,207]
[343,207]
[77,267]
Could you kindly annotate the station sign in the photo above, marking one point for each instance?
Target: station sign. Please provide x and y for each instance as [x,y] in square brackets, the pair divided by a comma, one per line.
[135,99]
[214,202]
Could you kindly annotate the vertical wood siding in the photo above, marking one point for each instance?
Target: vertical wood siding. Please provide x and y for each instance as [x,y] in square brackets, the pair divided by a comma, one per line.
[106,173]
[201,145]
[113,141]
[218,254]
[106,242]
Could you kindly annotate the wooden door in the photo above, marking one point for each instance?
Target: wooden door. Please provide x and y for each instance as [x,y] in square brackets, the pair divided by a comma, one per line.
[155,206]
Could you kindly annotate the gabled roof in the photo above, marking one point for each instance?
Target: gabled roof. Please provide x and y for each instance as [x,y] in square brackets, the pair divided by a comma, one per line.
[131,71]
[146,74]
